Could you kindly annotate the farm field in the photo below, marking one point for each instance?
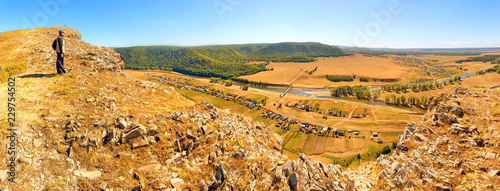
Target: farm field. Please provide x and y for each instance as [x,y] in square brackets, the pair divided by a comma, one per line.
[386,67]
[357,64]
[296,142]
[360,115]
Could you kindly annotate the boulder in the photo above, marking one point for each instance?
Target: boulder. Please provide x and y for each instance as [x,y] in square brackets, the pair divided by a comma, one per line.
[457,128]
[281,163]
[493,173]
[490,155]
[189,136]
[440,187]
[221,174]
[293,181]
[122,123]
[446,118]
[88,174]
[138,143]
[37,142]
[134,133]
[203,186]
[103,185]
[252,186]
[109,137]
[177,183]
[3,175]
[150,169]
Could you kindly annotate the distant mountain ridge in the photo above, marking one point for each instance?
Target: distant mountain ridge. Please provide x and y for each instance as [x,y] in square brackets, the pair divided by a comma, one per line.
[224,61]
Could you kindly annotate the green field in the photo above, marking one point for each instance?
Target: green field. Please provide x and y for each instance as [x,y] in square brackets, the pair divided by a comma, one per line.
[371,155]
[258,97]
[292,141]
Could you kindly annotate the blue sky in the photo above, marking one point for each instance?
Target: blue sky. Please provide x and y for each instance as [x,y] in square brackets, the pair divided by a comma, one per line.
[366,23]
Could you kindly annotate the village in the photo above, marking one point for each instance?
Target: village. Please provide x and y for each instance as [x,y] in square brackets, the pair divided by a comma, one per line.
[281,121]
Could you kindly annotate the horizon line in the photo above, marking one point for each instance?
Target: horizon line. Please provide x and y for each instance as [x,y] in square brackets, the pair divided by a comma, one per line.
[340,46]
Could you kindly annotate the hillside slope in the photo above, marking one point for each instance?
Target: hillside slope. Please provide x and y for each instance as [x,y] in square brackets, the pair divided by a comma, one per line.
[97,129]
[224,61]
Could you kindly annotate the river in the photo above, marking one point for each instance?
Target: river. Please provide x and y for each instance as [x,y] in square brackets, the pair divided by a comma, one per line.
[306,92]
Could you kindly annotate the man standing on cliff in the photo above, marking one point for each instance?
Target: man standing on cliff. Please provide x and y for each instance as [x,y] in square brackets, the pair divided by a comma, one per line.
[60,53]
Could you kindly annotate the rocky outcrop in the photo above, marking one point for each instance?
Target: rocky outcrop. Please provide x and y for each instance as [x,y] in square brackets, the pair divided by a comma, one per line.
[453,147]
[78,53]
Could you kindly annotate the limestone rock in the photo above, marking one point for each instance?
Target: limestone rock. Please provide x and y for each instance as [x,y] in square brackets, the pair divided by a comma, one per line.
[122,124]
[177,183]
[134,133]
[3,175]
[490,155]
[493,173]
[37,142]
[88,174]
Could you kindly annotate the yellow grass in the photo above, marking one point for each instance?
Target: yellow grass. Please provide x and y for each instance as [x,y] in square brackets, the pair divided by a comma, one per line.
[385,67]
[359,65]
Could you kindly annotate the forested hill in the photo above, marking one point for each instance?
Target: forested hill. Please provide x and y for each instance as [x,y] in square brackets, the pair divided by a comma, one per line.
[224,61]
[366,51]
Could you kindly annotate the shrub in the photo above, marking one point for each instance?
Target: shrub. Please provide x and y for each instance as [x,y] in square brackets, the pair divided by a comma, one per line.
[339,78]
[386,150]
[63,90]
[11,70]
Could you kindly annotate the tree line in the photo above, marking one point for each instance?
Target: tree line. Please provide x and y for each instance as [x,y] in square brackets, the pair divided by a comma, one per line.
[238,80]
[312,71]
[221,81]
[494,59]
[495,68]
[249,82]
[357,91]
[404,88]
[407,101]
[339,78]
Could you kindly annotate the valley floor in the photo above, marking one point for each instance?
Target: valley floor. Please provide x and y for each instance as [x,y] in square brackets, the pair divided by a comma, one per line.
[387,121]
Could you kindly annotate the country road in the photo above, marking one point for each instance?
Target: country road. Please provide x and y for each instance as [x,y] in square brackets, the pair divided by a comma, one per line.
[291,83]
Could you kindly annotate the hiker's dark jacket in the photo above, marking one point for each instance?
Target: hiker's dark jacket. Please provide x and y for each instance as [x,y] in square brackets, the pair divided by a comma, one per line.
[60,45]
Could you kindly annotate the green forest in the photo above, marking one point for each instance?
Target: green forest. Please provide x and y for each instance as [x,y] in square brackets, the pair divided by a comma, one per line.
[494,59]
[224,61]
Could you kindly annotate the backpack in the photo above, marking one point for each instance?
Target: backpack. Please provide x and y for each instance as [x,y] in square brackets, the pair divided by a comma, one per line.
[54,44]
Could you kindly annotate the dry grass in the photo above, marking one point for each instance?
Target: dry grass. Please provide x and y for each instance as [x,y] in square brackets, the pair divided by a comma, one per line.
[487,80]
[359,65]
[15,52]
